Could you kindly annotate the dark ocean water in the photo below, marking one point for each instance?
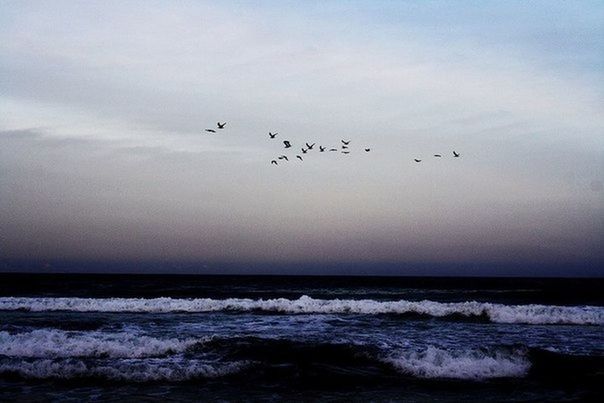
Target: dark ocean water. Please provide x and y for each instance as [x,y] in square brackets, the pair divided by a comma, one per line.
[156,338]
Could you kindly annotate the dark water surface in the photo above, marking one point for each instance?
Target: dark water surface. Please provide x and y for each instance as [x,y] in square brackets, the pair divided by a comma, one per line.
[156,337]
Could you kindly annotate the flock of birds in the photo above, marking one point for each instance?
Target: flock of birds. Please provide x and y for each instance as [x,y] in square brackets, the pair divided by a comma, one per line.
[306,147]
[455,155]
[344,147]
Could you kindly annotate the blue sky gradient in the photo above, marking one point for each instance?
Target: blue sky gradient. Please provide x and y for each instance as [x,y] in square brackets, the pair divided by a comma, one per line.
[103,156]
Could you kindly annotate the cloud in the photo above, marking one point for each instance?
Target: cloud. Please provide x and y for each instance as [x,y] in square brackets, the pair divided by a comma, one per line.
[103,151]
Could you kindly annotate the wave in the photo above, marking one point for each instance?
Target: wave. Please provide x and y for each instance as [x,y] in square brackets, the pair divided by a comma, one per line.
[53,343]
[140,358]
[498,313]
[477,364]
[430,362]
[172,370]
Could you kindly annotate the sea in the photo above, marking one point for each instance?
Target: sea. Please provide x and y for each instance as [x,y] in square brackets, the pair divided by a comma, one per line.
[110,337]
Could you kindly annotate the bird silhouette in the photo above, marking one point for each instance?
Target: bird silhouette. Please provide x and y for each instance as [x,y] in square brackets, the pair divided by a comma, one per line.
[416,160]
[437,155]
[345,142]
[272,135]
[344,147]
[300,158]
[287,144]
[367,150]
[304,151]
[455,154]
[211,130]
[221,125]
[283,157]
[333,149]
[310,146]
[274,162]
[345,152]
[321,148]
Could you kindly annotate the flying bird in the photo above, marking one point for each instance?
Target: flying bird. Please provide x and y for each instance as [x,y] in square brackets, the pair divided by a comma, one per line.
[437,155]
[221,125]
[287,144]
[310,146]
[272,135]
[455,154]
[344,147]
[345,152]
[416,160]
[300,158]
[367,150]
[333,149]
[283,157]
[274,162]
[321,148]
[304,151]
[211,130]
[345,142]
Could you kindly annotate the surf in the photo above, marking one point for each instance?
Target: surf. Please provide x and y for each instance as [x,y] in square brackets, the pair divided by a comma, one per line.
[534,314]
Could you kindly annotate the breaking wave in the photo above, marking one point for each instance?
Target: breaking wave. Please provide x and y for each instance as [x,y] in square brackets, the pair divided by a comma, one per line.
[54,343]
[499,313]
[173,370]
[477,364]
[55,354]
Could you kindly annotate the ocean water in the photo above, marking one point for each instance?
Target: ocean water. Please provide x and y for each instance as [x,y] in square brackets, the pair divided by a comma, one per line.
[156,338]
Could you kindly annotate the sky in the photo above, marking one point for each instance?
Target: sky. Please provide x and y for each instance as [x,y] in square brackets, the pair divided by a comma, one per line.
[104,158]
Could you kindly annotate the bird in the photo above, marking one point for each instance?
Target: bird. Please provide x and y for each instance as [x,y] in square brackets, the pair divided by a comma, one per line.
[437,155]
[310,146]
[272,135]
[367,150]
[274,162]
[211,130]
[304,151]
[321,148]
[416,160]
[283,157]
[300,158]
[345,142]
[345,152]
[221,125]
[344,147]
[455,154]
[333,149]
[287,144]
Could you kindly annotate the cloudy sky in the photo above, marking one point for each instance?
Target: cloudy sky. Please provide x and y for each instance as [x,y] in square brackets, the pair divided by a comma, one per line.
[103,155]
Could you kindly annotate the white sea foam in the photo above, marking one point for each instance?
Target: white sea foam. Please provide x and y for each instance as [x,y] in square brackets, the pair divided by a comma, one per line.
[434,362]
[149,369]
[53,343]
[529,314]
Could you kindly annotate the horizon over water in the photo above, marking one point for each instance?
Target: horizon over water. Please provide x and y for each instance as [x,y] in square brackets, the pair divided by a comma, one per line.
[325,269]
[272,338]
[299,201]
